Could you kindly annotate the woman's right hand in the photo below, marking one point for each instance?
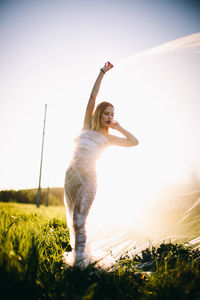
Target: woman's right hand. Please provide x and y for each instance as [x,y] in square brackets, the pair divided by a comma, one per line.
[107,67]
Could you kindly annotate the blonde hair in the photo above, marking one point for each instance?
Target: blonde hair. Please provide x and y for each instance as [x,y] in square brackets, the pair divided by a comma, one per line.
[95,122]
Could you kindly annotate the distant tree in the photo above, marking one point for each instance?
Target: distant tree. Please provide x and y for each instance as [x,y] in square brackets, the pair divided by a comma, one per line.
[29,196]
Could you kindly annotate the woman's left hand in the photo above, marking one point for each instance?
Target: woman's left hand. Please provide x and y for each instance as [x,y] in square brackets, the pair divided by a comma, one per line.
[114,125]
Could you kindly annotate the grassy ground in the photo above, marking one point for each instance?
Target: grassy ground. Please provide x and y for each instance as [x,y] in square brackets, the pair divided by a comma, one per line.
[33,241]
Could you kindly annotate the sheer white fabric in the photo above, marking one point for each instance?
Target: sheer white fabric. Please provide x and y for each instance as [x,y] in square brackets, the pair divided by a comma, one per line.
[80,190]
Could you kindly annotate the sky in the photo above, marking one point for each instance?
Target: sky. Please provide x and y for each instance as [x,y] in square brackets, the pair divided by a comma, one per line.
[51,52]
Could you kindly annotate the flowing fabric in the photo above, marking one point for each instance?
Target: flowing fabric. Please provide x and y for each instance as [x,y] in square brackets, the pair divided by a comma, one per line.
[80,190]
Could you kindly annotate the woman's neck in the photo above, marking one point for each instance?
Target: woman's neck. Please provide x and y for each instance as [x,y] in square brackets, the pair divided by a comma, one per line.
[103,130]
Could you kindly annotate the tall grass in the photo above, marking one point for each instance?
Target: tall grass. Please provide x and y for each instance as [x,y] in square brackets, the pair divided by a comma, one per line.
[32,242]
[31,246]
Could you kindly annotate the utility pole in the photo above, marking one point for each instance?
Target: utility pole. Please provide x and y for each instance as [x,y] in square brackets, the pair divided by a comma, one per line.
[39,187]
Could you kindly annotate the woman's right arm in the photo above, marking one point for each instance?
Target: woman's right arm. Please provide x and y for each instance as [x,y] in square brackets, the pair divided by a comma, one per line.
[93,95]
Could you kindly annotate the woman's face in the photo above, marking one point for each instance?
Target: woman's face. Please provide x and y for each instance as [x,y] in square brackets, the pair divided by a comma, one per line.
[107,116]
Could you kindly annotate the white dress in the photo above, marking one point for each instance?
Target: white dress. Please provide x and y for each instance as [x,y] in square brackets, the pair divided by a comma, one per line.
[80,190]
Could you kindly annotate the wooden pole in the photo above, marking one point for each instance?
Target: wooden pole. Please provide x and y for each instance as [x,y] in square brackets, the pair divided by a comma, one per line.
[39,186]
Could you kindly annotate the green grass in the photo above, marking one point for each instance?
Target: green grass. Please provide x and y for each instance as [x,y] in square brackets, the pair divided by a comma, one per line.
[31,248]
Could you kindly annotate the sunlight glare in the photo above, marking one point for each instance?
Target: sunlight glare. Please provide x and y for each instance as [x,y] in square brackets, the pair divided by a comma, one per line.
[155,100]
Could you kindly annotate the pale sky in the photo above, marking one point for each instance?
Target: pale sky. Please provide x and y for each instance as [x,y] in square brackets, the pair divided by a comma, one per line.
[51,52]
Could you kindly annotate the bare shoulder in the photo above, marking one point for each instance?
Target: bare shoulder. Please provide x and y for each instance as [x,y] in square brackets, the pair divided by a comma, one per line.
[120,141]
[86,125]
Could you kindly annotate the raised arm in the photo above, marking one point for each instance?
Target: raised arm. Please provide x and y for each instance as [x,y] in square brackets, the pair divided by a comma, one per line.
[93,95]
[129,140]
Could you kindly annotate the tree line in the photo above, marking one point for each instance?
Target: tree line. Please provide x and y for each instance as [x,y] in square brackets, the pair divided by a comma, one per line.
[53,196]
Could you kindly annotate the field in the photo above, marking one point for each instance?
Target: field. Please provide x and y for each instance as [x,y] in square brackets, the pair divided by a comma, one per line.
[32,244]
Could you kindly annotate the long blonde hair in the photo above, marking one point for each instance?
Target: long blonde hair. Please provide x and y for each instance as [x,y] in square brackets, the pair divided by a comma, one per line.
[95,121]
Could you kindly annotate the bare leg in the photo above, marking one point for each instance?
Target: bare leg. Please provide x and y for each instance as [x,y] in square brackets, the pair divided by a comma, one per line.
[81,210]
[80,242]
[79,198]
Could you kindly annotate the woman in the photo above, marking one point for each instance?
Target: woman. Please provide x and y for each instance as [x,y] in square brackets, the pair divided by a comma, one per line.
[80,179]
